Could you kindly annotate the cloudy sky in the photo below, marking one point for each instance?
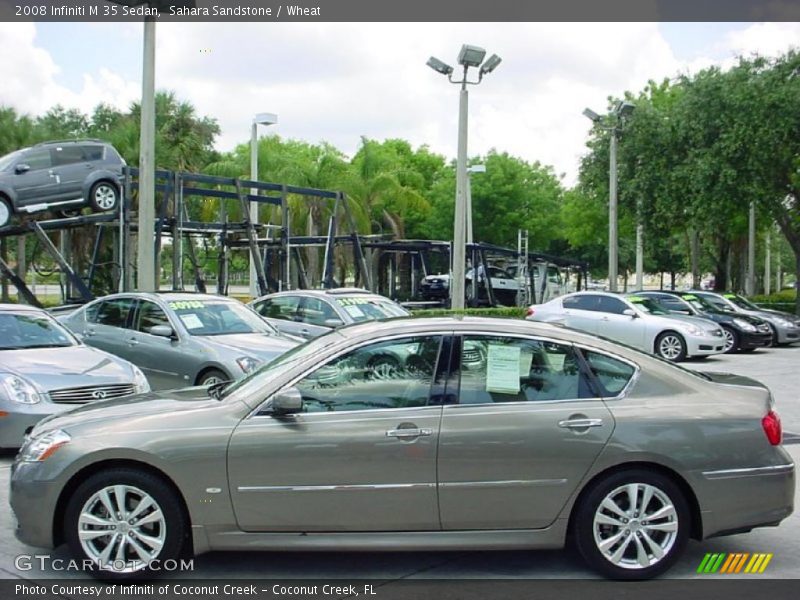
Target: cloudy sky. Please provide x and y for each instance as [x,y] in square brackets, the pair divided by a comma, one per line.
[338,82]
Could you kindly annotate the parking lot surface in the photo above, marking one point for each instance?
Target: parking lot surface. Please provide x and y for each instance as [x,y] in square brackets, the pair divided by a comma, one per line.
[777,368]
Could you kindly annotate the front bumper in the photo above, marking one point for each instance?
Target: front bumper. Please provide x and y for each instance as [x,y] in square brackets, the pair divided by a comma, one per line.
[787,335]
[741,499]
[754,339]
[704,345]
[19,418]
[33,502]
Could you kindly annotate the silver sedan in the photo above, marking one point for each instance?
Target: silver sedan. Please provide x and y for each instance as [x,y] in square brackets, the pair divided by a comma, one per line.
[633,320]
[44,370]
[556,435]
[180,339]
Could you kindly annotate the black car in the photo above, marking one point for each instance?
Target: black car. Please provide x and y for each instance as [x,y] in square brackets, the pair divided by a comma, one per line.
[742,332]
[65,175]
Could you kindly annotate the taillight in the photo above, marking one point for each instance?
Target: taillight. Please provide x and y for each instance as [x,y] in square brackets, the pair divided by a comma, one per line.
[529,312]
[772,427]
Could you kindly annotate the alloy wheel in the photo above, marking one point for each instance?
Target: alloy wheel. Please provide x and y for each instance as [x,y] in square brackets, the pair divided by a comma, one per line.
[122,528]
[5,214]
[105,197]
[670,347]
[730,341]
[635,526]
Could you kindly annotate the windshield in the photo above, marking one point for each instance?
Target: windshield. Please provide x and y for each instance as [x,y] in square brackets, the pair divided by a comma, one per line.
[9,159]
[647,305]
[252,382]
[218,317]
[717,302]
[370,308]
[741,302]
[700,304]
[25,331]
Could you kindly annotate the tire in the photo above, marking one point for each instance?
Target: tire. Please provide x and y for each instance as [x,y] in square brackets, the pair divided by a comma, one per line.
[628,547]
[160,536]
[104,196]
[211,377]
[383,367]
[671,346]
[748,350]
[5,213]
[774,343]
[731,340]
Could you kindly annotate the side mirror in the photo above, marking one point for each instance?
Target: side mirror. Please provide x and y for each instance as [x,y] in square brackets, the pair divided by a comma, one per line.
[286,402]
[631,313]
[162,331]
[22,168]
[333,323]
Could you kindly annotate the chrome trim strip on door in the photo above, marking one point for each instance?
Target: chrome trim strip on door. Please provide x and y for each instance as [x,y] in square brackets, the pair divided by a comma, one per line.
[333,488]
[507,483]
[749,472]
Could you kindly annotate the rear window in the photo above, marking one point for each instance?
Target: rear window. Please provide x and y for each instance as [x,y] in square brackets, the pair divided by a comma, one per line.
[94,152]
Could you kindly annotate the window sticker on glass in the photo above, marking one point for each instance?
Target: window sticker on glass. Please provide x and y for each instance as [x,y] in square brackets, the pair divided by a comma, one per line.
[502,369]
[352,301]
[192,321]
[635,299]
[525,362]
[689,297]
[184,304]
[354,311]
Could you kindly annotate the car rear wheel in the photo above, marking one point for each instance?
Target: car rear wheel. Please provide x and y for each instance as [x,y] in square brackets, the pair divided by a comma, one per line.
[731,340]
[670,345]
[632,525]
[104,196]
[122,520]
[5,213]
[211,377]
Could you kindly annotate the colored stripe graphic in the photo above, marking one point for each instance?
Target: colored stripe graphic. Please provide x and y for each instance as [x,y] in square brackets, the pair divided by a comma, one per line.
[728,563]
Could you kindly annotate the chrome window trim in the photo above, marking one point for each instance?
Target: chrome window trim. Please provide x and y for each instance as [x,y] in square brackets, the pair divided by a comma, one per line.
[341,352]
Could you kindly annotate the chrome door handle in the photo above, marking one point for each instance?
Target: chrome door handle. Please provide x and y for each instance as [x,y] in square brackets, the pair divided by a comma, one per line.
[580,423]
[402,433]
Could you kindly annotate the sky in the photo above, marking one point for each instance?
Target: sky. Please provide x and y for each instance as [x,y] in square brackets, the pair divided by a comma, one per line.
[337,82]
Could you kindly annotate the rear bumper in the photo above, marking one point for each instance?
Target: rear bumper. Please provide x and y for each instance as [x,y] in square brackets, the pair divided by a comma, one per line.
[737,500]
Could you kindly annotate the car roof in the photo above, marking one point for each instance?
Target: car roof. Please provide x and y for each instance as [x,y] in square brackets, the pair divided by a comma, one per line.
[167,296]
[322,293]
[19,308]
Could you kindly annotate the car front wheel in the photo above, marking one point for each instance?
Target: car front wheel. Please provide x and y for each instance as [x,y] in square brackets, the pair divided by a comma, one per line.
[731,340]
[5,212]
[123,520]
[670,345]
[103,196]
[632,525]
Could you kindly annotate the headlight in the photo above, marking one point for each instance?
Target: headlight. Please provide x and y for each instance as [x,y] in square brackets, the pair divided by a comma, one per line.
[742,324]
[140,381]
[782,322]
[693,330]
[43,446]
[247,363]
[19,389]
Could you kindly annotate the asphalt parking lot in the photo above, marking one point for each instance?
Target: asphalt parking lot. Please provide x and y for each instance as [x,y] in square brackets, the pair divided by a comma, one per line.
[778,368]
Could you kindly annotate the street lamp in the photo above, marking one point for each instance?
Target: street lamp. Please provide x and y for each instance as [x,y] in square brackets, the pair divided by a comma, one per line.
[613,125]
[259,119]
[469,56]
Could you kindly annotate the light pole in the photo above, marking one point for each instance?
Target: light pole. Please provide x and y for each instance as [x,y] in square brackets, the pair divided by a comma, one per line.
[469,56]
[614,127]
[259,119]
[470,171]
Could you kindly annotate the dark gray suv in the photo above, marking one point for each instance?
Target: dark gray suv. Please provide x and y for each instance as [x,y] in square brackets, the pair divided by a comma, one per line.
[61,175]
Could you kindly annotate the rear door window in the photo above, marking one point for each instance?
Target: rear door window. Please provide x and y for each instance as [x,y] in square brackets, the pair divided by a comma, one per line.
[67,155]
[115,313]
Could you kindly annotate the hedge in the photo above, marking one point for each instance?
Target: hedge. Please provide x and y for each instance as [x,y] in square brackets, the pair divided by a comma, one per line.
[514,312]
[782,306]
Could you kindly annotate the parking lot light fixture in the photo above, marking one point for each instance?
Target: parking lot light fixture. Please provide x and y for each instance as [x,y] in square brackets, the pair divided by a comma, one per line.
[613,124]
[259,119]
[469,56]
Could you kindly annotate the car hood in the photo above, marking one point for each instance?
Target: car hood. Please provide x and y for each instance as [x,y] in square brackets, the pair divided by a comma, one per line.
[257,345]
[776,313]
[55,368]
[151,404]
[703,324]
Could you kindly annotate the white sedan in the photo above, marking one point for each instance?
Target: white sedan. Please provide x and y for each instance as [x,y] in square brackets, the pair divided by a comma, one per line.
[633,320]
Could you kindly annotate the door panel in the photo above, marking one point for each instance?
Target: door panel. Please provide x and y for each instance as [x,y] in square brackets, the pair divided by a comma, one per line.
[110,329]
[623,328]
[362,455]
[71,168]
[165,362]
[39,184]
[510,459]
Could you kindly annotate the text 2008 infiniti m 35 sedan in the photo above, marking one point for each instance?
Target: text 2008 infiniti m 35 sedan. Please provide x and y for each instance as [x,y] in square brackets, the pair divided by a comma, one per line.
[547,434]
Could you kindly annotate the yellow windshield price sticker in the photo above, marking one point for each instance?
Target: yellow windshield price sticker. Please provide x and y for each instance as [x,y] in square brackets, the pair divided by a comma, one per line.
[689,297]
[352,301]
[186,304]
[636,299]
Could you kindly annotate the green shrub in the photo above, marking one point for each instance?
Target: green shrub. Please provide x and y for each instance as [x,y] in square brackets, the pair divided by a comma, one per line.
[515,312]
[782,306]
[787,296]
